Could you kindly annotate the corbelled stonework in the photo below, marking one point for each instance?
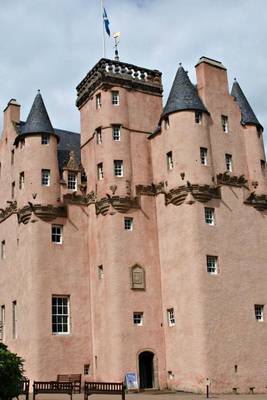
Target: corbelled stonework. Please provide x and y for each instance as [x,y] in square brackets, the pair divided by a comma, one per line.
[202,193]
[44,212]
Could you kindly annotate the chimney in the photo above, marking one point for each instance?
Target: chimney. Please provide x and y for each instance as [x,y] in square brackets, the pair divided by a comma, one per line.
[211,79]
[11,112]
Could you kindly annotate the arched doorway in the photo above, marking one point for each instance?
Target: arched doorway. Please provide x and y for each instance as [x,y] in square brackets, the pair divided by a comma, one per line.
[146,369]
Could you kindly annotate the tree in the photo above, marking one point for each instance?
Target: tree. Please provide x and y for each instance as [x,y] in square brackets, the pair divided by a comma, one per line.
[11,373]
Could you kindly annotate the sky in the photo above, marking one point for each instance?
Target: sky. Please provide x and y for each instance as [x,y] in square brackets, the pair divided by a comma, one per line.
[51,44]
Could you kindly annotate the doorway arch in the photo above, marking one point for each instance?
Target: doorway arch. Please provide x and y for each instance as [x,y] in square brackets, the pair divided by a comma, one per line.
[146,369]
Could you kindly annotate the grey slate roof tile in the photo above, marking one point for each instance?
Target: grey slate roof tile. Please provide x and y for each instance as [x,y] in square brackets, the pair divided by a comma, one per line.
[38,120]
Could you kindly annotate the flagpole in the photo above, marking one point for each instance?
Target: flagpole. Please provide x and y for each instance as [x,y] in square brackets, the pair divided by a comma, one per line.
[103,32]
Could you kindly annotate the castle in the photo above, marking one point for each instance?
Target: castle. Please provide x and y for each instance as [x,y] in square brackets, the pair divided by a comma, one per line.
[138,245]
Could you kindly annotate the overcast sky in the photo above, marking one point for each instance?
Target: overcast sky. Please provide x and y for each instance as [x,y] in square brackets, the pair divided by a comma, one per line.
[51,45]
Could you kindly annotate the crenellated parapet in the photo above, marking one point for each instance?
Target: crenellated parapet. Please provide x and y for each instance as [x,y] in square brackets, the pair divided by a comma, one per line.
[201,193]
[44,212]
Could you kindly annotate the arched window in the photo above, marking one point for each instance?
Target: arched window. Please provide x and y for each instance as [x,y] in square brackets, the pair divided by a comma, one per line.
[138,277]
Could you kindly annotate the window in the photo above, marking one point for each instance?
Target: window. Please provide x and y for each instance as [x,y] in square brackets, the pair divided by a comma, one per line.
[228,162]
[45,177]
[45,139]
[171,316]
[259,131]
[2,323]
[100,171]
[212,265]
[57,234]
[72,180]
[12,156]
[198,117]
[60,315]
[86,369]
[166,123]
[259,308]
[115,98]
[209,216]
[224,120]
[204,155]
[116,133]
[98,101]
[3,249]
[169,160]
[263,164]
[118,167]
[98,136]
[100,272]
[138,318]
[138,277]
[14,319]
[21,180]
[22,143]
[128,223]
[12,190]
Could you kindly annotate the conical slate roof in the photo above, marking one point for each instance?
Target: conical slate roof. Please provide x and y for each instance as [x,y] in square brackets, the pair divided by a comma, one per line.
[38,120]
[247,114]
[183,95]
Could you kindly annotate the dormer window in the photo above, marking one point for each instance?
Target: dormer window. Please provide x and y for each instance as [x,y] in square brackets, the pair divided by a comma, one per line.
[98,101]
[225,126]
[45,139]
[115,98]
[198,117]
[72,180]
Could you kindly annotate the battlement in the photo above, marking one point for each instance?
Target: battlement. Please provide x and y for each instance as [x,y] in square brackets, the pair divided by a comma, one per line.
[107,73]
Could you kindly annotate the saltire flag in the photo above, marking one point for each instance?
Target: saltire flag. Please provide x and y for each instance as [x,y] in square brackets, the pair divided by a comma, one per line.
[106,21]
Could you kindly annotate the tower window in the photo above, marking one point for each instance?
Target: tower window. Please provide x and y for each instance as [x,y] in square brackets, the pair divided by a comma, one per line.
[22,143]
[229,162]
[169,160]
[98,135]
[259,131]
[118,167]
[100,171]
[224,121]
[263,165]
[138,318]
[128,223]
[45,139]
[204,155]
[171,316]
[57,234]
[3,249]
[209,216]
[98,101]
[60,315]
[45,177]
[212,265]
[100,271]
[115,98]
[259,309]
[14,319]
[12,190]
[72,180]
[86,369]
[166,123]
[116,133]
[12,156]
[198,117]
[2,323]
[21,180]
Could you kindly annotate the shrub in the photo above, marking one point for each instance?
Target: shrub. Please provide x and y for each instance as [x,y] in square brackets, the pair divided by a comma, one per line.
[11,373]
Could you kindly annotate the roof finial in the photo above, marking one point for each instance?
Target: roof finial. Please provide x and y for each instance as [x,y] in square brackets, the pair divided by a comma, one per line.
[180,64]
[38,91]
[235,79]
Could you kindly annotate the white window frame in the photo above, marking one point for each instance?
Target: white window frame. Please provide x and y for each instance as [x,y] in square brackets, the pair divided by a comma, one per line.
[138,318]
[225,124]
[45,139]
[72,180]
[169,159]
[118,168]
[98,101]
[204,155]
[60,315]
[21,180]
[212,264]
[116,133]
[209,215]
[171,317]
[45,177]
[100,171]
[128,223]
[115,98]
[57,234]
[229,162]
[259,312]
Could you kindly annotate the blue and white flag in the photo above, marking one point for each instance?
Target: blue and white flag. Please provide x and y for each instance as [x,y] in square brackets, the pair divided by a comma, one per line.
[106,21]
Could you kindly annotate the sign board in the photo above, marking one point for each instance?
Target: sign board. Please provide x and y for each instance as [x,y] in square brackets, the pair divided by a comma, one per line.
[131,381]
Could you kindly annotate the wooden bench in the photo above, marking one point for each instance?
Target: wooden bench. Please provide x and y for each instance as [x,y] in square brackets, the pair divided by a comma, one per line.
[52,387]
[24,388]
[103,388]
[75,379]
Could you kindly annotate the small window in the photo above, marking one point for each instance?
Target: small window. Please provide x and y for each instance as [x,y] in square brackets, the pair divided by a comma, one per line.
[116,133]
[128,223]
[45,177]
[22,143]
[259,131]
[228,162]
[57,234]
[60,315]
[98,101]
[138,277]
[263,166]
[100,171]
[209,216]
[86,369]
[12,156]
[166,123]
[14,319]
[72,180]
[212,265]
[115,98]
[224,120]
[169,160]
[138,318]
[171,316]
[12,190]
[118,167]
[100,272]
[204,155]
[21,180]
[3,249]
[198,117]
[259,309]
[2,323]
[98,136]
[45,139]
